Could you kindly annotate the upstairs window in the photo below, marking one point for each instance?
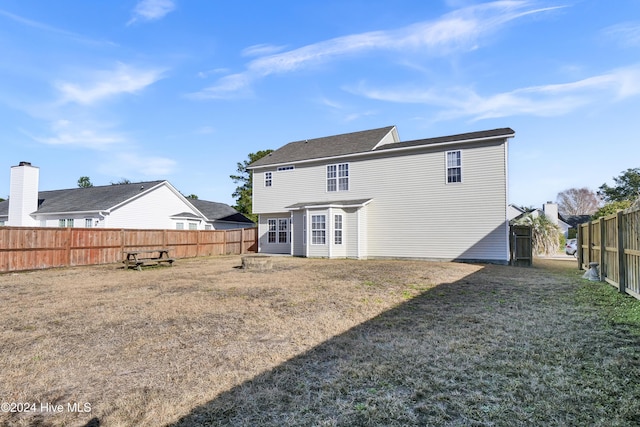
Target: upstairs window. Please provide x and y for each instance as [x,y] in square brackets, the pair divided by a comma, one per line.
[286,168]
[454,166]
[268,179]
[338,177]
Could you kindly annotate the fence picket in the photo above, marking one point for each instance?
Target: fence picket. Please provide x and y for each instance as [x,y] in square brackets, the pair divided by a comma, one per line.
[24,248]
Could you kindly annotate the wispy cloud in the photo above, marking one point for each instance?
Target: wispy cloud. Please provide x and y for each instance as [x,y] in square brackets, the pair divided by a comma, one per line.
[151,10]
[626,34]
[460,30]
[261,50]
[134,166]
[546,100]
[107,84]
[53,30]
[82,135]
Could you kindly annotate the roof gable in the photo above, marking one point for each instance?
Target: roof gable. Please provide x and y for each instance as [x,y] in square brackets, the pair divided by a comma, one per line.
[329,146]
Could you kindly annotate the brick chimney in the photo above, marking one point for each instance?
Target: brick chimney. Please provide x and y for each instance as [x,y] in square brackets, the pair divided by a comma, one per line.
[23,195]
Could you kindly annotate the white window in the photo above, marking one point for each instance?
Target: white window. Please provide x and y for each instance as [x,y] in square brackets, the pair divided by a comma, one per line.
[286,168]
[454,166]
[318,229]
[88,222]
[1,223]
[273,228]
[268,179]
[193,226]
[337,230]
[179,225]
[338,177]
[65,223]
[283,227]
[304,229]
[207,227]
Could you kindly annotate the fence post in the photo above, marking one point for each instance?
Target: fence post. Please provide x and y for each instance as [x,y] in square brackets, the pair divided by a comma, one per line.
[579,247]
[603,249]
[622,266]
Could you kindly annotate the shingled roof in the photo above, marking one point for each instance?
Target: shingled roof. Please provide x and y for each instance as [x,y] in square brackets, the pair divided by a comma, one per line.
[102,198]
[90,199]
[329,146]
[218,211]
[363,142]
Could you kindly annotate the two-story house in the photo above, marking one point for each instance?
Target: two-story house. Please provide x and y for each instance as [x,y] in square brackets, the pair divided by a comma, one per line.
[368,195]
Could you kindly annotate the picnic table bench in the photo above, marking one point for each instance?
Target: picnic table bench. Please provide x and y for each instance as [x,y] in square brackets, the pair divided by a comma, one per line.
[138,258]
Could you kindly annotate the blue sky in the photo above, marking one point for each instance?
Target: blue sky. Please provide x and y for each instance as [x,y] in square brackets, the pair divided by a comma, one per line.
[184,89]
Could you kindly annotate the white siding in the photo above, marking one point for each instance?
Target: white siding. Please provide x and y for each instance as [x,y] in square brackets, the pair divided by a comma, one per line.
[414,212]
[151,211]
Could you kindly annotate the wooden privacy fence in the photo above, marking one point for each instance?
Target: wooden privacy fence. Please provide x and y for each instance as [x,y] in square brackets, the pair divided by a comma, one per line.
[520,245]
[24,248]
[613,242]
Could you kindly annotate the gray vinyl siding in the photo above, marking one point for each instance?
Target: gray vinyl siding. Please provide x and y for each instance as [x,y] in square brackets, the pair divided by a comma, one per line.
[298,233]
[263,237]
[414,212]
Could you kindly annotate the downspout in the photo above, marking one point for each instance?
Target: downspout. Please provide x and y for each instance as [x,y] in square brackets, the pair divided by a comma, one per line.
[308,236]
[291,234]
[506,202]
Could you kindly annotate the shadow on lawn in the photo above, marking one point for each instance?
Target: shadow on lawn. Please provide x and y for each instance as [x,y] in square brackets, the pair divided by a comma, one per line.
[474,352]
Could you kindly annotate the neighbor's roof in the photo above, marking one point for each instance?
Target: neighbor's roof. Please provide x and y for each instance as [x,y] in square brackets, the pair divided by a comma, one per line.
[218,211]
[89,199]
[103,198]
[363,142]
[575,220]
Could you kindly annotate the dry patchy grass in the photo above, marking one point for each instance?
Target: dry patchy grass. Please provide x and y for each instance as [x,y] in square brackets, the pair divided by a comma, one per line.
[314,342]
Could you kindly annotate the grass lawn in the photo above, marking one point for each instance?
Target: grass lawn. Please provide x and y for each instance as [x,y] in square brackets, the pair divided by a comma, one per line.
[318,343]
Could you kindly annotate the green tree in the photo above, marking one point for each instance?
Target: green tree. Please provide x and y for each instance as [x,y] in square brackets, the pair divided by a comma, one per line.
[192,196]
[84,182]
[122,181]
[611,208]
[546,236]
[244,191]
[627,187]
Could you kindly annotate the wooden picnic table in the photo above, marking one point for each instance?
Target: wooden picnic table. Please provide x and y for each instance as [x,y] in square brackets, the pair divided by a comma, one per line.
[138,258]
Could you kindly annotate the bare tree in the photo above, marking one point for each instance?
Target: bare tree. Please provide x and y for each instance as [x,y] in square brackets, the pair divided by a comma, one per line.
[578,201]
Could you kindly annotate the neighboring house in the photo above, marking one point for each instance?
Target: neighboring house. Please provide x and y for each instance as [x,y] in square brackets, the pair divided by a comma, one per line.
[368,195]
[549,209]
[145,205]
[575,220]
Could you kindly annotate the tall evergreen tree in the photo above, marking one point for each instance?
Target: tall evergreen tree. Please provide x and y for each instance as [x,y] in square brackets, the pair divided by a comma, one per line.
[244,191]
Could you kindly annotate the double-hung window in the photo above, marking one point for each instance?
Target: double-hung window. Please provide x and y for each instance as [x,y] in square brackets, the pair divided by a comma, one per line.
[454,166]
[283,230]
[318,230]
[272,232]
[338,177]
[337,230]
[278,230]
[268,179]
